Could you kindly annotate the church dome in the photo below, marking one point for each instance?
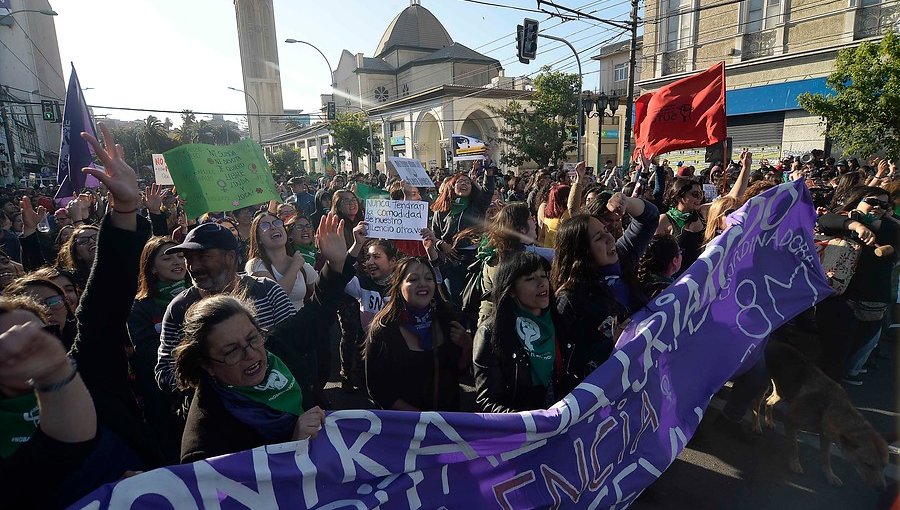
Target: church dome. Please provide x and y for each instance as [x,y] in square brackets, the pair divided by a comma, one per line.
[414,27]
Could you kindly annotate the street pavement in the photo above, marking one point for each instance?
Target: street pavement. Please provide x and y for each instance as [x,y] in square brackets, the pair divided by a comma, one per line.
[717,471]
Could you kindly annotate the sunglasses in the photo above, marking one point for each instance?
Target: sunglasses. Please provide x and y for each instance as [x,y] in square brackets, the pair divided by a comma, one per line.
[874,202]
[54,302]
[85,240]
[265,226]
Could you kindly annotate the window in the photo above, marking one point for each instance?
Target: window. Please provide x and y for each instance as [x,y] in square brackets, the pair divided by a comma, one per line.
[762,14]
[311,142]
[868,3]
[381,94]
[678,26]
[620,72]
[396,126]
[323,140]
[405,89]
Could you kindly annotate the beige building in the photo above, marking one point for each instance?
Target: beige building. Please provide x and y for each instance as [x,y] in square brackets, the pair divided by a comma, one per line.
[774,50]
[607,132]
[259,64]
[418,89]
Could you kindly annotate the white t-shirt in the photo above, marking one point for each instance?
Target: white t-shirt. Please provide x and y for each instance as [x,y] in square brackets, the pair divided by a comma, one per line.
[307,276]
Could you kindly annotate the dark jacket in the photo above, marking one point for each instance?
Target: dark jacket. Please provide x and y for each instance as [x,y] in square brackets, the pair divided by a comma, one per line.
[37,251]
[503,380]
[393,371]
[585,310]
[211,430]
[872,279]
[446,226]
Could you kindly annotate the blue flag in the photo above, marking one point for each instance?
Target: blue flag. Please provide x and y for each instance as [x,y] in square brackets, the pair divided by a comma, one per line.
[74,152]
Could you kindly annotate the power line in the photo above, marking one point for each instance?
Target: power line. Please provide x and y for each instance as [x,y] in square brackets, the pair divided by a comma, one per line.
[26,66]
[33,44]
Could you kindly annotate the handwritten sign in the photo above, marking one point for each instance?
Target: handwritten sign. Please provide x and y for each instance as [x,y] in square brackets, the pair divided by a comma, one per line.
[710,192]
[221,178]
[396,219]
[161,170]
[411,171]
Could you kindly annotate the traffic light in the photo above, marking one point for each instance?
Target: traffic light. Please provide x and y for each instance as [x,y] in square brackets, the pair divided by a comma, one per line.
[527,40]
[47,110]
[57,112]
[331,111]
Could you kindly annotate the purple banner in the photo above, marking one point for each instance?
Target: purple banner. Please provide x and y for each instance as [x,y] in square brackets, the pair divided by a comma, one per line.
[599,447]
[74,152]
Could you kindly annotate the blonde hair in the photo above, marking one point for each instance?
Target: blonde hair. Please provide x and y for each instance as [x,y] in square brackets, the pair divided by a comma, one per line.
[717,210]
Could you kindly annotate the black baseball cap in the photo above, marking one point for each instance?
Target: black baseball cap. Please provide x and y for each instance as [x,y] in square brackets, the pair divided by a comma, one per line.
[207,236]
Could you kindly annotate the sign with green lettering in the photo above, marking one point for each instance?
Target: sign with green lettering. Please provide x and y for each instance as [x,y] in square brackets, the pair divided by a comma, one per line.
[221,178]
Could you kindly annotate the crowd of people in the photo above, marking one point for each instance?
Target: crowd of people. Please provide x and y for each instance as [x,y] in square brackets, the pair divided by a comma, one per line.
[133,337]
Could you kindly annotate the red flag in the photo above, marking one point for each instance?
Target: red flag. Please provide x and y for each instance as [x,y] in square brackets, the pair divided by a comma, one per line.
[685,114]
[640,113]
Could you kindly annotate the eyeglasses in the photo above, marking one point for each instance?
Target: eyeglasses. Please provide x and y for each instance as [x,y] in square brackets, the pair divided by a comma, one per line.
[347,201]
[54,302]
[234,356]
[696,194]
[265,226]
[874,202]
[302,226]
[83,240]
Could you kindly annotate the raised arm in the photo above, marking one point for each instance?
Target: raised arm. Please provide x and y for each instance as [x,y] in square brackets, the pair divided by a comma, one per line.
[574,202]
[737,191]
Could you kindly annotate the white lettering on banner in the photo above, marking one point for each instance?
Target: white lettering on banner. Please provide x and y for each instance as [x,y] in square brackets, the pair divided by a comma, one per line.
[350,456]
[211,484]
[308,472]
[160,482]
[396,219]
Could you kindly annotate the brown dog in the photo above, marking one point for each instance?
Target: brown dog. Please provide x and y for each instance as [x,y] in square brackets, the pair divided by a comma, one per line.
[818,404]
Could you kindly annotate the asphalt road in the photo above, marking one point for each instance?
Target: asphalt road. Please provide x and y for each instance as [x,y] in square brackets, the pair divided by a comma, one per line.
[716,471]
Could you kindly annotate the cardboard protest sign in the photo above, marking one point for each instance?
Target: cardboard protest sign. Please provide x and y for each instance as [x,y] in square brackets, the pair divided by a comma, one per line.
[221,178]
[411,171]
[396,219]
[161,171]
[710,192]
[467,148]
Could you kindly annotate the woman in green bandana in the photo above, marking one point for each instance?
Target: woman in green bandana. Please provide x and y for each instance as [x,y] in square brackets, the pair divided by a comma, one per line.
[161,278]
[244,395]
[516,355]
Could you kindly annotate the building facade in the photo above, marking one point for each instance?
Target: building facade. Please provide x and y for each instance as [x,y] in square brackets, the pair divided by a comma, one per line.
[30,70]
[607,132]
[259,65]
[774,50]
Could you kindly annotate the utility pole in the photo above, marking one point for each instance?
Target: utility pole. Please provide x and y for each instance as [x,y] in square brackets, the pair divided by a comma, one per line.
[629,104]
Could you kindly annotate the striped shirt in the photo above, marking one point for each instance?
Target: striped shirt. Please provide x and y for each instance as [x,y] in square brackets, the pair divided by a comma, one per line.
[272,306]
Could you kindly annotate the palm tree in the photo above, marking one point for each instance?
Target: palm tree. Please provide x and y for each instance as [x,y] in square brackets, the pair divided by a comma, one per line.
[153,132]
[188,132]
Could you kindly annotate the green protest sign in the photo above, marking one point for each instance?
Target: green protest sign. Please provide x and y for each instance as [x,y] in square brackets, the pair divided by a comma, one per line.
[221,178]
[364,192]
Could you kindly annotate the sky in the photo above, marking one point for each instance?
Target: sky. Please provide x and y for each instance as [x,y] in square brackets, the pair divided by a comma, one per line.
[183,54]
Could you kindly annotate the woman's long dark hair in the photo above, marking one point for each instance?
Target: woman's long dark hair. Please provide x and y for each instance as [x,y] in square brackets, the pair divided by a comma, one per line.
[855,196]
[349,223]
[661,251]
[256,248]
[504,230]
[68,257]
[502,322]
[448,195]
[845,184]
[396,305]
[147,279]
[679,188]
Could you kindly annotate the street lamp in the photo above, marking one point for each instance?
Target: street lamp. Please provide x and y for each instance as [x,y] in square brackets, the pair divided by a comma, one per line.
[330,70]
[8,21]
[258,127]
[601,102]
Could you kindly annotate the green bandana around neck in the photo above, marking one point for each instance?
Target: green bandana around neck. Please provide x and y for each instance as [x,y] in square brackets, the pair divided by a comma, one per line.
[459,205]
[19,420]
[166,292]
[279,390]
[537,334]
[678,217]
[308,251]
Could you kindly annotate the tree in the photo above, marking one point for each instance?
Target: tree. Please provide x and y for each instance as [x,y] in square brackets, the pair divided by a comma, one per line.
[862,115]
[189,132]
[351,133]
[153,131]
[541,133]
[284,162]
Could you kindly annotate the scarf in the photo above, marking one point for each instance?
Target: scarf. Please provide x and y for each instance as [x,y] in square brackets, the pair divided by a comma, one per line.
[272,407]
[19,420]
[679,218]
[459,205]
[309,252]
[537,334]
[166,292]
[418,322]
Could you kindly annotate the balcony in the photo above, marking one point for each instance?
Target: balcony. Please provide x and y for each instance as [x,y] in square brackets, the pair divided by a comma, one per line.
[674,62]
[758,45]
[876,20]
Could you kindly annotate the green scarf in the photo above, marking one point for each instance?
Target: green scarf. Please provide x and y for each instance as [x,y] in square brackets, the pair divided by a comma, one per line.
[459,205]
[278,391]
[678,217]
[19,420]
[166,292]
[309,252]
[537,334]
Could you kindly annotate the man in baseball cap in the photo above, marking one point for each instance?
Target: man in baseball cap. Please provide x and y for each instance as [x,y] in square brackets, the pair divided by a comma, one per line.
[210,251]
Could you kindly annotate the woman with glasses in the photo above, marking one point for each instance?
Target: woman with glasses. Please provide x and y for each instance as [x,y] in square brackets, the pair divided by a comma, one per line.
[272,257]
[77,254]
[244,395]
[866,217]
[302,235]
[53,298]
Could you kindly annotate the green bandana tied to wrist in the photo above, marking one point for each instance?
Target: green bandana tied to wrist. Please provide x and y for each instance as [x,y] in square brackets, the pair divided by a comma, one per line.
[459,205]
[536,332]
[19,420]
[279,390]
[309,253]
[166,292]
[678,217]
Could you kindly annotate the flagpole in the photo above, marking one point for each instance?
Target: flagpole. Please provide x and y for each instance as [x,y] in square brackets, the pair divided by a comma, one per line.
[580,86]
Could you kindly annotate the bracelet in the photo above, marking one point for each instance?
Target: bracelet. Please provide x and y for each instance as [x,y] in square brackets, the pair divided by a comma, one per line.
[125,212]
[57,385]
